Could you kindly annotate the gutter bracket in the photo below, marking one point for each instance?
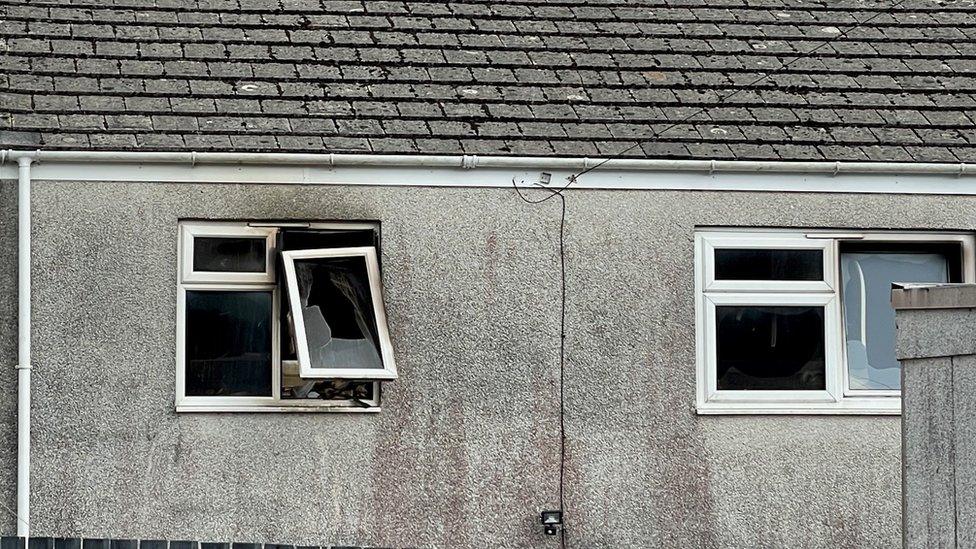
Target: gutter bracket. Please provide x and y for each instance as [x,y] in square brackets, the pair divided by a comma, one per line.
[193,159]
[469,161]
[962,170]
[711,167]
[836,169]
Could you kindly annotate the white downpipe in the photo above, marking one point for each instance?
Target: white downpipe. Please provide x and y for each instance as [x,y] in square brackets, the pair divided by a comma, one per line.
[23,344]
[474,161]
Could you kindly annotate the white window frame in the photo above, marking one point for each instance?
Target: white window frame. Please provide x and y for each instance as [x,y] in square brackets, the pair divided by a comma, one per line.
[379,313]
[190,280]
[837,397]
[190,231]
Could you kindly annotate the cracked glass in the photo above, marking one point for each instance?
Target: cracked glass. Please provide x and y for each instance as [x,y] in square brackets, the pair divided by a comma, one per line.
[337,312]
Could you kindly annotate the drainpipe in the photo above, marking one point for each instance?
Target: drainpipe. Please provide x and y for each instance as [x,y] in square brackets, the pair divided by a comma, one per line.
[23,344]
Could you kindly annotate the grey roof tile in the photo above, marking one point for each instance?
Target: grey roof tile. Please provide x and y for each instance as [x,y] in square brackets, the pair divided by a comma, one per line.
[689,79]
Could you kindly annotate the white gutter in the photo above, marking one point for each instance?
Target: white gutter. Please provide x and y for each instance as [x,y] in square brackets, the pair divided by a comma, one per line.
[474,161]
[23,343]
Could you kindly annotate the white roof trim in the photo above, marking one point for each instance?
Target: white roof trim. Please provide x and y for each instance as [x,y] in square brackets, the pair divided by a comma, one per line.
[494,172]
[475,161]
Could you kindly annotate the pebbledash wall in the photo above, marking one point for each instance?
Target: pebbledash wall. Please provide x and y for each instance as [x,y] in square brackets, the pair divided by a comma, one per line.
[464,453]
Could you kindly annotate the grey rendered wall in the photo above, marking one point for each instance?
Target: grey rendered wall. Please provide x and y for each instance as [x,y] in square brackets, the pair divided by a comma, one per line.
[937,348]
[464,452]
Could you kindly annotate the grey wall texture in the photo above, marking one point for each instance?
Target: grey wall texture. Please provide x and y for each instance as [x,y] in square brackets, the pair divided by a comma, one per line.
[464,453]
[937,349]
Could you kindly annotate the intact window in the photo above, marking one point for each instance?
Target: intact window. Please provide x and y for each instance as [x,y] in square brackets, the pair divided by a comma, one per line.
[239,346]
[801,322]
[867,272]
[769,348]
[228,342]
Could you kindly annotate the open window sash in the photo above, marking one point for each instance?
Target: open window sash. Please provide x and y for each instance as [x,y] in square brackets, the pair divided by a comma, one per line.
[338,317]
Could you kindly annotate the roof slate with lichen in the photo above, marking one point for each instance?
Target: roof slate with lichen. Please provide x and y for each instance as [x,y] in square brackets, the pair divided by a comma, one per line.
[726,79]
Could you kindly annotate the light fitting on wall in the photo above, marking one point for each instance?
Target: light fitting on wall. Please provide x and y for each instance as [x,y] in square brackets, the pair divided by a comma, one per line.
[551,521]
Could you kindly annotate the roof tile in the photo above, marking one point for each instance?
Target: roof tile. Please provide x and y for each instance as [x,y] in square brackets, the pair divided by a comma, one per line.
[688,80]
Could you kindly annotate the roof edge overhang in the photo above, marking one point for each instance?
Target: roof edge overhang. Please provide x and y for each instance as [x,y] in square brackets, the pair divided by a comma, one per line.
[469,171]
[476,161]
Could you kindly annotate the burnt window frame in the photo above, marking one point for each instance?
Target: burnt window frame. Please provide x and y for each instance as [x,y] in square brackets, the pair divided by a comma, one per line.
[271,280]
[837,397]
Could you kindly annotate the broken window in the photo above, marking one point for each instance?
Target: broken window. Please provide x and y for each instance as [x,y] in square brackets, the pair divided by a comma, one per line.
[240,348]
[801,322]
[337,314]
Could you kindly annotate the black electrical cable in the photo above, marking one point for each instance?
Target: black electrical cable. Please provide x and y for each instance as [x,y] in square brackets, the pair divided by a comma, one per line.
[558,192]
[562,342]
[574,177]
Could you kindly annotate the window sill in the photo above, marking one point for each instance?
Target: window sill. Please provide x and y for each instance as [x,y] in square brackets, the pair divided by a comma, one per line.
[246,408]
[850,407]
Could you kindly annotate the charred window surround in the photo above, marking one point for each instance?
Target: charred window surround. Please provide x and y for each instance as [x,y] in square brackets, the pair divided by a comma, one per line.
[799,321]
[238,345]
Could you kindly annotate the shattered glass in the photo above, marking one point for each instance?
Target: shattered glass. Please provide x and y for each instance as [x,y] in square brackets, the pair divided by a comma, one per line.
[293,386]
[337,311]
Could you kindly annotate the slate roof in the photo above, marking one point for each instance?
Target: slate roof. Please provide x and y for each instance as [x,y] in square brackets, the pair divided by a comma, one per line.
[847,79]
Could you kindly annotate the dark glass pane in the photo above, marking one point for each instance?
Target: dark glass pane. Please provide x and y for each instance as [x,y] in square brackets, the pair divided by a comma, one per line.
[228,343]
[337,307]
[869,319]
[764,348]
[736,264]
[310,239]
[229,254]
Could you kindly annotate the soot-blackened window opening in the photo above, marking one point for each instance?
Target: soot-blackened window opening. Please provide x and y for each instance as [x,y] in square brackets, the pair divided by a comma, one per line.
[280,317]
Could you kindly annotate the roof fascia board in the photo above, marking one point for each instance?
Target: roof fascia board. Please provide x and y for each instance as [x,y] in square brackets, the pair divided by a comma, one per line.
[472,171]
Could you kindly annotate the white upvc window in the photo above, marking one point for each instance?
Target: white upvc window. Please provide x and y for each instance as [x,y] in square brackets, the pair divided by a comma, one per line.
[239,347]
[799,321]
[353,276]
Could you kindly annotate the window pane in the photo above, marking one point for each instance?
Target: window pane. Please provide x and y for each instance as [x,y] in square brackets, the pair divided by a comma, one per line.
[228,343]
[310,239]
[869,320]
[745,264]
[770,348]
[337,309]
[229,254]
